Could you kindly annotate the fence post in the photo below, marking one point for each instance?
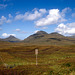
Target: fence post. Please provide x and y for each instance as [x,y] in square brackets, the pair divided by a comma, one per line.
[36,53]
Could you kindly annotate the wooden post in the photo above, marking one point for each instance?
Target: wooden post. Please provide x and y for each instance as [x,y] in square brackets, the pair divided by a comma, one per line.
[36,53]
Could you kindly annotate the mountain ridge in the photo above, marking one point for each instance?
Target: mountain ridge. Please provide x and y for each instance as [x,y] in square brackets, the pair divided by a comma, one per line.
[43,38]
[52,38]
[11,39]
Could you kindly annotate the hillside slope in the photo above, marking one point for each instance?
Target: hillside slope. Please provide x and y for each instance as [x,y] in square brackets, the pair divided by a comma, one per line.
[44,38]
[11,39]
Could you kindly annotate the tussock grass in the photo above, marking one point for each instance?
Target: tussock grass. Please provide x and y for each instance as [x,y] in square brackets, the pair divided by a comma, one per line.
[52,60]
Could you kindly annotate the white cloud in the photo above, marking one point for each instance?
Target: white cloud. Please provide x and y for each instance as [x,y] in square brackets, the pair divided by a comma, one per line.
[10,16]
[42,10]
[8,21]
[31,15]
[70,31]
[19,17]
[72,25]
[53,17]
[41,17]
[18,30]
[2,20]
[61,28]
[7,35]
[68,28]
[5,20]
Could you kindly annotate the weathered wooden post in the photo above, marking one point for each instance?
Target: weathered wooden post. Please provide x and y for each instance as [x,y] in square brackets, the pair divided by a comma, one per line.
[36,53]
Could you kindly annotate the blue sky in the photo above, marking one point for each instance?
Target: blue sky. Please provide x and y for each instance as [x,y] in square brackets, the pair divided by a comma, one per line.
[22,18]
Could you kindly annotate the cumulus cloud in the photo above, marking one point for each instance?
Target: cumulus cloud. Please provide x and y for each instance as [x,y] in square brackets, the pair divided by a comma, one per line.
[3,20]
[72,25]
[7,35]
[53,17]
[42,10]
[10,16]
[68,28]
[19,17]
[41,17]
[31,15]
[61,28]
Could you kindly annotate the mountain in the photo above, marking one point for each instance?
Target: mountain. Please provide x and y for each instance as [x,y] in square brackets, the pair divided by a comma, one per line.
[11,39]
[36,36]
[44,38]
[56,35]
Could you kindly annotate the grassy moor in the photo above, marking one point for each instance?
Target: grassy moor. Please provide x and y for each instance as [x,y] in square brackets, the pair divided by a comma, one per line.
[20,59]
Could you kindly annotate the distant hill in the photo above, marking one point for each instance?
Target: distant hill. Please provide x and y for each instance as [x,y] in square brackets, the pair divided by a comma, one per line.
[36,36]
[11,39]
[43,38]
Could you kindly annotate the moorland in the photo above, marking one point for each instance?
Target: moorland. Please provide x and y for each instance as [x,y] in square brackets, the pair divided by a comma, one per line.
[56,55]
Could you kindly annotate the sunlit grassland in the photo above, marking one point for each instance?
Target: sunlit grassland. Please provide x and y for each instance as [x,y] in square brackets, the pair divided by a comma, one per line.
[52,60]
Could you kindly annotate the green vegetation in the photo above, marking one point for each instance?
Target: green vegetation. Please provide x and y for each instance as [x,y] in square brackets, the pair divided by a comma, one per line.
[19,59]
